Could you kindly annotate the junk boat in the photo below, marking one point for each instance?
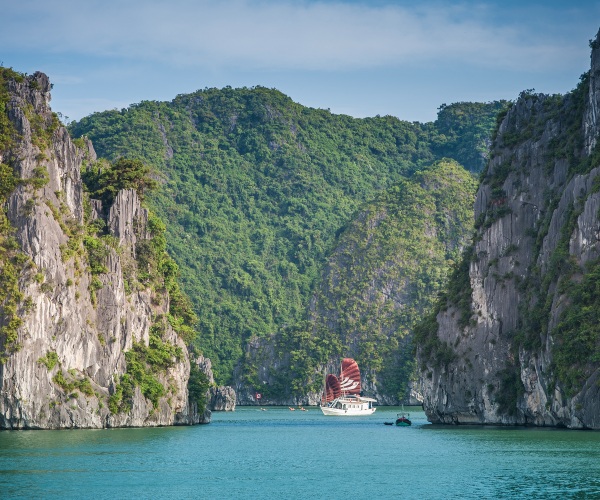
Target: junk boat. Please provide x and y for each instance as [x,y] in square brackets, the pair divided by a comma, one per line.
[341,395]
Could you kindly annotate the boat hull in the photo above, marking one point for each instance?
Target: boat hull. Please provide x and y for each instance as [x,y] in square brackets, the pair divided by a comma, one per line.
[349,407]
[403,420]
[348,412]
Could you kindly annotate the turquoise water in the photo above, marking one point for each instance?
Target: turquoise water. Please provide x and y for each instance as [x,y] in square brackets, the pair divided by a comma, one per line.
[282,454]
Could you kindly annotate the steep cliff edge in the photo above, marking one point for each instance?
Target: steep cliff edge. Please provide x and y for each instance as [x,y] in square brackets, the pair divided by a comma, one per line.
[85,341]
[516,340]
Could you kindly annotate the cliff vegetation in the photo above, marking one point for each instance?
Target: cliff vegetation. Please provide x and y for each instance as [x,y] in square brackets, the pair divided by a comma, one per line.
[93,323]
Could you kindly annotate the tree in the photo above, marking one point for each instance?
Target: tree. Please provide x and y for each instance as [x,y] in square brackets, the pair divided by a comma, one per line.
[105,180]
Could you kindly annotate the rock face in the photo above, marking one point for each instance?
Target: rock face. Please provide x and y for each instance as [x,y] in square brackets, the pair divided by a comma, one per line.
[518,345]
[69,355]
[221,398]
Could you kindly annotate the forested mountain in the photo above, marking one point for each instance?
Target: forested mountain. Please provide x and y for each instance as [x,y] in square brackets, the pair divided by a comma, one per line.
[389,265]
[255,189]
[463,132]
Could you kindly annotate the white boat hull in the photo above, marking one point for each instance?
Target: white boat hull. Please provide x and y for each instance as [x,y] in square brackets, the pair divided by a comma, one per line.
[347,413]
[349,407]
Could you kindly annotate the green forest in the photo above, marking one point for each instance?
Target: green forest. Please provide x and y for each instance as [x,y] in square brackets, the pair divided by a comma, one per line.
[258,193]
[389,266]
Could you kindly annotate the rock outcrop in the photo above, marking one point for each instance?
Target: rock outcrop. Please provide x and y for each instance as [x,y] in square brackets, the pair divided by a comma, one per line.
[517,341]
[219,398]
[66,366]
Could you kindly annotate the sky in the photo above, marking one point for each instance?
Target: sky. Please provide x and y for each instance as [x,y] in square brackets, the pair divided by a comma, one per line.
[356,57]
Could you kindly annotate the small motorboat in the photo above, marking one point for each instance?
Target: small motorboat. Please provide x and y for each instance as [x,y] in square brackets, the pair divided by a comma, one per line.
[403,420]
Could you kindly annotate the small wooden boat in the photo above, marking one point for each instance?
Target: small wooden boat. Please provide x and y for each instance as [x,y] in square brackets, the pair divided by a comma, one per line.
[403,420]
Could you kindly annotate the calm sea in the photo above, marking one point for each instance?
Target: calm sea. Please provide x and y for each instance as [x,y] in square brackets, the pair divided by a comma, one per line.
[293,455]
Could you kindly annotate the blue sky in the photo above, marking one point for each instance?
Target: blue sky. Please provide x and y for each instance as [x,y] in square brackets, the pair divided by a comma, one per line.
[362,58]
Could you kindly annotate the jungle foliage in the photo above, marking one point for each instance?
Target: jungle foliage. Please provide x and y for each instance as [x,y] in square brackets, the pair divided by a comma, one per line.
[391,264]
[255,188]
[104,181]
[143,364]
[464,131]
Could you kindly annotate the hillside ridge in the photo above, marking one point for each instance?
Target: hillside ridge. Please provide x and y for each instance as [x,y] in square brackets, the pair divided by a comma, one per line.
[254,190]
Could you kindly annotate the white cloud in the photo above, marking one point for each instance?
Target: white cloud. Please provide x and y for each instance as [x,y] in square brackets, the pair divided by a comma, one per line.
[283,35]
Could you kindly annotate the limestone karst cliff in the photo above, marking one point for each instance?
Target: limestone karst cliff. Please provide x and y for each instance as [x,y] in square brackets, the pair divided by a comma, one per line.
[516,340]
[85,341]
[221,398]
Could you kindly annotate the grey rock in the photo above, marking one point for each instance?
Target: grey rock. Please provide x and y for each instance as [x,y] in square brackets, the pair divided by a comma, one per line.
[221,398]
[88,337]
[537,187]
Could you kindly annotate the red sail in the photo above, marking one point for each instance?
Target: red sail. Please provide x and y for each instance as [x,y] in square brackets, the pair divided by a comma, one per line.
[350,377]
[332,388]
[348,382]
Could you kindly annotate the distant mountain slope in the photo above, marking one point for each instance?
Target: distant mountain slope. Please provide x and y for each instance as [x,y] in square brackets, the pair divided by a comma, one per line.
[464,132]
[388,267]
[255,189]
